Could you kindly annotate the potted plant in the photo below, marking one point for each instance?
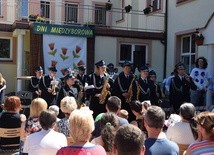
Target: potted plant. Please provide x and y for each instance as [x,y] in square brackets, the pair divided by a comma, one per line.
[147,10]
[108,5]
[40,19]
[199,39]
[128,8]
[32,17]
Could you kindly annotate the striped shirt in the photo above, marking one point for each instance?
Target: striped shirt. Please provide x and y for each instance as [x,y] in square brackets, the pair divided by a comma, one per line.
[205,147]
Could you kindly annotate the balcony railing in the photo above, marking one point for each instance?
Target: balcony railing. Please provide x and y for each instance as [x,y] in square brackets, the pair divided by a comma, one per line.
[75,14]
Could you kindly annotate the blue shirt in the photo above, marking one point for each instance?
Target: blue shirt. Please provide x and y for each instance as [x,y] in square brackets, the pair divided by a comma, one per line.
[161,146]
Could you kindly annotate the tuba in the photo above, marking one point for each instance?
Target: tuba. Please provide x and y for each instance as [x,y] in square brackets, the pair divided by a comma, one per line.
[130,92]
[104,91]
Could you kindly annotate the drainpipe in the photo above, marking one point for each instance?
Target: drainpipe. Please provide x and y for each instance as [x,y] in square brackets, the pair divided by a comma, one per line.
[165,37]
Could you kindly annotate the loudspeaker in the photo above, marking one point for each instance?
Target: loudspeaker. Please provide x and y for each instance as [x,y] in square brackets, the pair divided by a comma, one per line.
[26,98]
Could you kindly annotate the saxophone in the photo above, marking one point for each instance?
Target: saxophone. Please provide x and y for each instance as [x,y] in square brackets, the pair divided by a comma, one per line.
[104,91]
[54,83]
[130,92]
[81,95]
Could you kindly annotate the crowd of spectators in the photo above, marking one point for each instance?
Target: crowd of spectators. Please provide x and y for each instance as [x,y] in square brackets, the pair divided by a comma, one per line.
[192,134]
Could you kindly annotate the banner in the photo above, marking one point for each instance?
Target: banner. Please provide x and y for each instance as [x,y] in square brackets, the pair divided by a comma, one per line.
[78,31]
[63,52]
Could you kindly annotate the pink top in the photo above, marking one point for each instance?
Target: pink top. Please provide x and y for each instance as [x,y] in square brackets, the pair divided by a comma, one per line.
[82,150]
[202,147]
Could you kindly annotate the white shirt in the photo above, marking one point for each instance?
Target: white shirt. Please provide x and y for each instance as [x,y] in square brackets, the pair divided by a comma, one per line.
[45,142]
[180,133]
[200,76]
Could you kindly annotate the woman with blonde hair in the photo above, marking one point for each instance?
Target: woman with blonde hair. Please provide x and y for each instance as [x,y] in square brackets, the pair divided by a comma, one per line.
[81,126]
[205,141]
[67,105]
[36,107]
[2,87]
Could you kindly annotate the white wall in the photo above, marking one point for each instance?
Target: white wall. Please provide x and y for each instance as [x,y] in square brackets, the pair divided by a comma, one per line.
[106,49]
[157,61]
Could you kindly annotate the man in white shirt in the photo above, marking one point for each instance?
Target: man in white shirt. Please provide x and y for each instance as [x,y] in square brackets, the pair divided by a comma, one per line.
[47,141]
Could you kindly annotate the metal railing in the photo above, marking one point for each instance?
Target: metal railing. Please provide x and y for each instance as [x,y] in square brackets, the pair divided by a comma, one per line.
[116,18]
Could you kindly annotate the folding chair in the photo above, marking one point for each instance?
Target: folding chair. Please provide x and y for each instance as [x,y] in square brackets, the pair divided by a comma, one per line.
[10,139]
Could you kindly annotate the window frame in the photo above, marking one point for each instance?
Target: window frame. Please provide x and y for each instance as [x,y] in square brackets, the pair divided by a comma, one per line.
[191,53]
[10,52]
[101,7]
[159,6]
[133,50]
[46,5]
[77,12]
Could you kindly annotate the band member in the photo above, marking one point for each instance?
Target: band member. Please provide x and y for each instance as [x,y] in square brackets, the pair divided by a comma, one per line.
[72,87]
[49,86]
[125,88]
[64,71]
[146,87]
[34,82]
[157,99]
[81,76]
[101,88]
[180,85]
[112,71]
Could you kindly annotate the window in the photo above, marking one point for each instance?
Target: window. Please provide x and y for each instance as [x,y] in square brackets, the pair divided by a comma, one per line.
[134,53]
[5,49]
[22,8]
[154,4]
[188,51]
[125,52]
[45,9]
[100,15]
[71,13]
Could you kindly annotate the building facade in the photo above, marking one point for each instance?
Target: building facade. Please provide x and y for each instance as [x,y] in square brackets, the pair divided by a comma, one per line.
[186,20]
[118,34]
